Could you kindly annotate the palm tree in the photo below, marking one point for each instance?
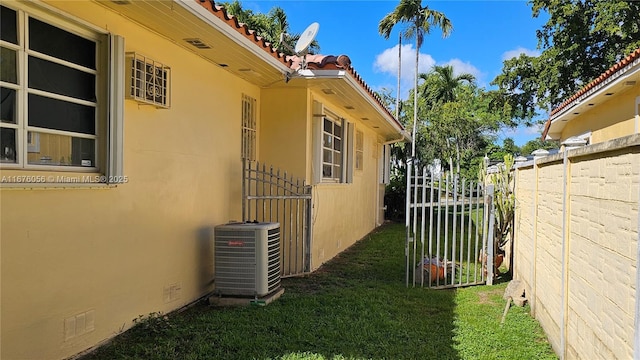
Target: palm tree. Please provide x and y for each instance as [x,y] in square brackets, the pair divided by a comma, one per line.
[446,83]
[269,26]
[419,21]
[440,87]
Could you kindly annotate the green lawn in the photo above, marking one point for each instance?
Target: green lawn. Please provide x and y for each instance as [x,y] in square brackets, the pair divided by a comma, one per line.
[354,307]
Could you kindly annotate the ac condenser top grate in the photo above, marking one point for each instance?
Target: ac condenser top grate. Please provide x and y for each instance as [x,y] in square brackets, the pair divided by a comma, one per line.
[247,259]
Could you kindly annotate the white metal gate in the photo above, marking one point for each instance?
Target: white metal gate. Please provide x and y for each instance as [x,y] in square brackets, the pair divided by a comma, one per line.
[272,196]
[448,222]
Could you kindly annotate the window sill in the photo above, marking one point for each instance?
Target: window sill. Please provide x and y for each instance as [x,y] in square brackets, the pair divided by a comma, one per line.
[336,184]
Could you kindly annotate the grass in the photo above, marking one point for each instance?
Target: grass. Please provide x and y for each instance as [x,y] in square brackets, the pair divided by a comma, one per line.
[354,307]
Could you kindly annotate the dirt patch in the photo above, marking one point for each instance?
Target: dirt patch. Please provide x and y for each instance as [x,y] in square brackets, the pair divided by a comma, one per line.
[485,297]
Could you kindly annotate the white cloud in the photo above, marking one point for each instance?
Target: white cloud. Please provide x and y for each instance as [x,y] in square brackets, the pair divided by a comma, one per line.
[520,50]
[387,62]
[461,67]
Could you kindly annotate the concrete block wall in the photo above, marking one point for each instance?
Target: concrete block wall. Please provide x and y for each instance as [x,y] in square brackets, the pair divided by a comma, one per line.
[589,209]
[548,282]
[524,220]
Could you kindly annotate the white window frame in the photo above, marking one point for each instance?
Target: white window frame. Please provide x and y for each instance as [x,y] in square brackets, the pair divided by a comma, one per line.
[249,128]
[359,145]
[109,105]
[385,163]
[330,147]
[345,152]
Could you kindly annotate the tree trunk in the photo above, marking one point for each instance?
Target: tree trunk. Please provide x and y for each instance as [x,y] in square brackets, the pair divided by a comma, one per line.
[399,74]
[415,99]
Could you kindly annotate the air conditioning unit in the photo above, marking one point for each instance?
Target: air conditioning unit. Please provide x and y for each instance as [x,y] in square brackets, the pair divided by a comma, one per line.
[247,259]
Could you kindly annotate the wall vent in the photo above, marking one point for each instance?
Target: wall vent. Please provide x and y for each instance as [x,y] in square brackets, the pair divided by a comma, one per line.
[149,81]
[197,43]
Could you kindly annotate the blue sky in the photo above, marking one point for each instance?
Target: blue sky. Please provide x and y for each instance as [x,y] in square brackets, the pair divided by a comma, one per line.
[485,33]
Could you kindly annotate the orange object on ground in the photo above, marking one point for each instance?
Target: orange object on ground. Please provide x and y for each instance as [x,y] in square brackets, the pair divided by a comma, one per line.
[435,271]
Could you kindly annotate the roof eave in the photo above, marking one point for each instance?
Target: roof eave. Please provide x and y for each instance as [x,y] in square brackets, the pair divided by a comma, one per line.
[596,88]
[199,9]
[355,85]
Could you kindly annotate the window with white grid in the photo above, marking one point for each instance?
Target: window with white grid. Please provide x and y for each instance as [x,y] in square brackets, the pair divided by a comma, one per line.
[249,128]
[55,79]
[332,149]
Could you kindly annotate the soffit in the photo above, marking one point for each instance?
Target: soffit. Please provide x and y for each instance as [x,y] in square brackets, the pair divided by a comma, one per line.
[619,78]
[630,81]
[341,94]
[177,23]
[235,46]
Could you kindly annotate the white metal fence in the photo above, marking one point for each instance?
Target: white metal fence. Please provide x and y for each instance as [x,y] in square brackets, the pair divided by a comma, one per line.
[271,196]
[448,222]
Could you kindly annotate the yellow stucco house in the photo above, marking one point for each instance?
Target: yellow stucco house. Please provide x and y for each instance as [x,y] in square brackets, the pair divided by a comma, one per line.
[605,109]
[124,128]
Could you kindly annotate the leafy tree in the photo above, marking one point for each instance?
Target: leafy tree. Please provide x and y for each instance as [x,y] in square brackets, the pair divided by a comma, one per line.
[458,132]
[510,146]
[535,144]
[497,153]
[418,20]
[580,41]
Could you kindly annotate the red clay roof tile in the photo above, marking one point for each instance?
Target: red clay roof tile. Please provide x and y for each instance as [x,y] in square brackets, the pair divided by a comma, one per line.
[332,62]
[599,80]
[242,28]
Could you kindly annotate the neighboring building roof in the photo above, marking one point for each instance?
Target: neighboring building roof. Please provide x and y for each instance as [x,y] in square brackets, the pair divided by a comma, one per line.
[324,62]
[610,75]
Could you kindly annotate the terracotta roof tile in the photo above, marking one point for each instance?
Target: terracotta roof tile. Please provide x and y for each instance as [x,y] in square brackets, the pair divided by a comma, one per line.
[326,62]
[613,70]
[332,62]
[242,28]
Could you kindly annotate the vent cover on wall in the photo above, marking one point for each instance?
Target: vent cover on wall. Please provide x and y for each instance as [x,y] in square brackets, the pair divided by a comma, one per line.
[247,259]
[149,81]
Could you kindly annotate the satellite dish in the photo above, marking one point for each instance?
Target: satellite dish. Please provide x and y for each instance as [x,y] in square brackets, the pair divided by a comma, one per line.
[306,38]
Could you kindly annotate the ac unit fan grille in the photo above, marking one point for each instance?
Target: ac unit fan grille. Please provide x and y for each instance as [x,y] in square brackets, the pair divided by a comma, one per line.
[273,254]
[247,259]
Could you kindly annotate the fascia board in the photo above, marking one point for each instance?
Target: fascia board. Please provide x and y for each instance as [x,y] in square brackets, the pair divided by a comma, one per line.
[342,74]
[204,15]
